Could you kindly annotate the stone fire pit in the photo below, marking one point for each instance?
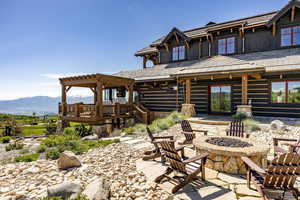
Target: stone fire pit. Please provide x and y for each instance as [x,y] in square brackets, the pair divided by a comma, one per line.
[225,153]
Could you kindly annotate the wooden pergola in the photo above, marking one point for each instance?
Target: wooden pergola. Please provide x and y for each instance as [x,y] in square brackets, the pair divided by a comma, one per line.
[98,112]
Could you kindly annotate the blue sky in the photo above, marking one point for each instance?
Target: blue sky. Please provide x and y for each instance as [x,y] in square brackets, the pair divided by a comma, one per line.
[41,40]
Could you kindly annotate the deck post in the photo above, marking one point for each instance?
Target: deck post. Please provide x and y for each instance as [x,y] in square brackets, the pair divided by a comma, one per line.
[244,89]
[130,98]
[99,92]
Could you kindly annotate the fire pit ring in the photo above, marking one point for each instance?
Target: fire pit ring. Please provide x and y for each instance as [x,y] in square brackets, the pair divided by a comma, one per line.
[227,159]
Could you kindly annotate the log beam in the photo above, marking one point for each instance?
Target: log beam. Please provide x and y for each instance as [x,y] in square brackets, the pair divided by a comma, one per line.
[293,13]
[176,37]
[99,104]
[167,47]
[130,98]
[274,29]
[244,89]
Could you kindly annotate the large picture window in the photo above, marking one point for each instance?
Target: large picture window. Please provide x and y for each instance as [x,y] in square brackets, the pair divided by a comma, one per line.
[178,53]
[226,46]
[286,92]
[290,36]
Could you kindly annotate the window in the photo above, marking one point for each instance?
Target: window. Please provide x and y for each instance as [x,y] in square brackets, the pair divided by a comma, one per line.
[290,36]
[286,92]
[226,46]
[178,53]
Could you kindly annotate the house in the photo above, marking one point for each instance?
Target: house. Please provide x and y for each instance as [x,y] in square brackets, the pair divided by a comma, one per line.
[249,64]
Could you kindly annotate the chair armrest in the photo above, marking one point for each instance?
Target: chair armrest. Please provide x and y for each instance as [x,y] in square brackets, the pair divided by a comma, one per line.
[157,142]
[200,131]
[163,137]
[195,158]
[253,166]
[179,148]
[285,139]
[295,145]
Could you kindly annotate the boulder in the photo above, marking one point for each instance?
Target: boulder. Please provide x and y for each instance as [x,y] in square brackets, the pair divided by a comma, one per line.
[90,137]
[277,125]
[97,189]
[65,190]
[67,160]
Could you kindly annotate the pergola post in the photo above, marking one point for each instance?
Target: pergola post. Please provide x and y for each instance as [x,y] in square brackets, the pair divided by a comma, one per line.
[244,89]
[130,98]
[99,103]
[63,99]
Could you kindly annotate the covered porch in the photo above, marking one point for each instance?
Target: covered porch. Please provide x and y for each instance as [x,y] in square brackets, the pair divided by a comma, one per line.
[100,110]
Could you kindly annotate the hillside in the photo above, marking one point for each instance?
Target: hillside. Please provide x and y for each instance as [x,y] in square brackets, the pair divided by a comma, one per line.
[38,104]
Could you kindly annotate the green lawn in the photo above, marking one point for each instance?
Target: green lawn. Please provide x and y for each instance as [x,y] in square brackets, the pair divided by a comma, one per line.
[33,131]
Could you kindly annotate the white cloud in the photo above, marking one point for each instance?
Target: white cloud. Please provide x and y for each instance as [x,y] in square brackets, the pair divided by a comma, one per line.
[57,76]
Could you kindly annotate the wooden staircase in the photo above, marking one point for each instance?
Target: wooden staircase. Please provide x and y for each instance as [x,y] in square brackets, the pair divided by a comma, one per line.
[142,114]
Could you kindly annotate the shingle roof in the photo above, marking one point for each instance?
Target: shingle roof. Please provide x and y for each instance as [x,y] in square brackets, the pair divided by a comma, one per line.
[276,60]
[194,33]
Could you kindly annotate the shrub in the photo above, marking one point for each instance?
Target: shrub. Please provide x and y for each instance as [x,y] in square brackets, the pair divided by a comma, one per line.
[80,197]
[52,154]
[27,158]
[252,125]
[140,128]
[41,149]
[50,130]
[5,139]
[162,124]
[82,131]
[239,117]
[176,117]
[14,146]
[129,130]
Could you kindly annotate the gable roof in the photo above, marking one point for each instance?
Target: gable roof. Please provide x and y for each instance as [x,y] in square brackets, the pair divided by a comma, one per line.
[172,33]
[284,10]
[276,60]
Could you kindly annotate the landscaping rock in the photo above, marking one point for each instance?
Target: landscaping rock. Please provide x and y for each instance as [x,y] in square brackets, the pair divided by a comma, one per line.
[278,125]
[90,137]
[97,189]
[67,160]
[65,190]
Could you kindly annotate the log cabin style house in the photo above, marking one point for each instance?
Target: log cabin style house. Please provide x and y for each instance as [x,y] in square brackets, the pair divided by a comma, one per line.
[251,63]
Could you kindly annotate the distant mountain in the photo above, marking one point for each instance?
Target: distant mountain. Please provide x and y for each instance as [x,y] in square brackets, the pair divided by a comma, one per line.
[41,105]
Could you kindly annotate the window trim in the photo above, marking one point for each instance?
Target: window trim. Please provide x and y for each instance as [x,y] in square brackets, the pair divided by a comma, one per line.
[291,36]
[178,53]
[286,91]
[226,45]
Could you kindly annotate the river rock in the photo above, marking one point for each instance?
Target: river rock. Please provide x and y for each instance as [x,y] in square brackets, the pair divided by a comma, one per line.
[278,125]
[65,190]
[67,160]
[97,189]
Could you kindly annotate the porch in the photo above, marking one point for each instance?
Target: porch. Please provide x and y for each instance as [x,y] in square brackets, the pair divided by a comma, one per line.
[100,110]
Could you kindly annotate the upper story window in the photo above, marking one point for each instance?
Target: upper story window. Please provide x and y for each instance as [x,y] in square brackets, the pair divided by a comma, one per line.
[226,46]
[178,53]
[290,36]
[286,92]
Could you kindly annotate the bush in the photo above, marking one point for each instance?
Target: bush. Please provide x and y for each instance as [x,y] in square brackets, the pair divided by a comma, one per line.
[162,124]
[176,117]
[14,146]
[5,139]
[52,154]
[82,131]
[50,130]
[27,158]
[252,125]
[239,117]
[41,149]
[140,128]
[129,130]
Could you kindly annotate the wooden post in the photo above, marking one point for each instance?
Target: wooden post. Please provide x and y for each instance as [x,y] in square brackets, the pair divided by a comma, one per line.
[144,62]
[274,29]
[110,95]
[244,89]
[293,13]
[63,99]
[99,104]
[188,91]
[200,46]
[130,98]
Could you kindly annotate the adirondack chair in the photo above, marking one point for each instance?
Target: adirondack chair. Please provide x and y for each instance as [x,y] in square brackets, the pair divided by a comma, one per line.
[189,133]
[189,168]
[151,155]
[293,148]
[237,129]
[279,176]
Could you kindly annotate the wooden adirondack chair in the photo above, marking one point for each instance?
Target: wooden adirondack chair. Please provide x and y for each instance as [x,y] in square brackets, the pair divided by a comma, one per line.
[237,129]
[293,147]
[150,155]
[189,133]
[189,168]
[279,176]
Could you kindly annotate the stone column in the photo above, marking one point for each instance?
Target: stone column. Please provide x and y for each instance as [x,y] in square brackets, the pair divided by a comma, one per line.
[188,110]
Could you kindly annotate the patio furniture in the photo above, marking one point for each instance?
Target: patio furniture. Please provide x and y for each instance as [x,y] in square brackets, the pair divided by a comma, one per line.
[279,176]
[155,153]
[237,129]
[292,147]
[189,168]
[189,133]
